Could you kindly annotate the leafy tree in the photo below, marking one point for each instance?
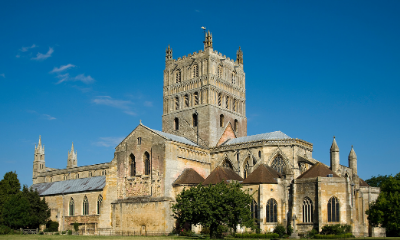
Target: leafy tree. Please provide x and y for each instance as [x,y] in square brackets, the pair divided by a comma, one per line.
[16,212]
[377,181]
[9,186]
[213,206]
[39,209]
[385,211]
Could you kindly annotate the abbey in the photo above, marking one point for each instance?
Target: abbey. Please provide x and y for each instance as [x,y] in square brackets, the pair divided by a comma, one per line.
[204,141]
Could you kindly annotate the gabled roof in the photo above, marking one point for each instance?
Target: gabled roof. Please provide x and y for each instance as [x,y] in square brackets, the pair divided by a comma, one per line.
[71,186]
[363,183]
[263,174]
[227,135]
[222,174]
[318,170]
[259,137]
[189,176]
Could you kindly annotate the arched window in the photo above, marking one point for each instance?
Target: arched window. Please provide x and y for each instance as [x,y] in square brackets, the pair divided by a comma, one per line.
[195,70]
[246,169]
[333,210]
[221,120]
[99,201]
[186,98]
[233,77]
[146,163]
[307,210]
[227,164]
[196,98]
[254,210]
[236,125]
[77,175]
[227,102]
[178,76]
[133,165]
[279,164]
[219,99]
[85,206]
[194,119]
[259,154]
[176,124]
[234,105]
[176,103]
[220,71]
[71,207]
[272,210]
[139,140]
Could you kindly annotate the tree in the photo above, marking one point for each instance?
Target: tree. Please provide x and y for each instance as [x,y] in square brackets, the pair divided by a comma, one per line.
[9,186]
[38,208]
[16,212]
[385,211]
[377,181]
[213,206]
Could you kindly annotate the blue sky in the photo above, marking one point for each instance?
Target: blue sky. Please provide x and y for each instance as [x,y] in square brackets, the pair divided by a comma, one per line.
[88,71]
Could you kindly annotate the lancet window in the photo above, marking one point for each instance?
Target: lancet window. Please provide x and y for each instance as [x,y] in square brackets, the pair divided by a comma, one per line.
[99,202]
[272,210]
[146,163]
[307,210]
[221,120]
[85,206]
[333,210]
[234,107]
[71,207]
[236,125]
[254,210]
[195,70]
[246,169]
[279,164]
[219,99]
[227,102]
[178,76]
[139,140]
[176,103]
[196,98]
[186,97]
[133,165]
[176,124]
[194,116]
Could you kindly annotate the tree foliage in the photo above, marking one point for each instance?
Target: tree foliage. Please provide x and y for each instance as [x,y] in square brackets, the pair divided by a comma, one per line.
[385,211]
[214,205]
[9,186]
[377,181]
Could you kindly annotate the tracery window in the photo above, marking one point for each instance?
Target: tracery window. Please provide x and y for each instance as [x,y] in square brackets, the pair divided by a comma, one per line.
[227,102]
[186,98]
[221,120]
[176,103]
[196,98]
[176,124]
[71,207]
[333,210]
[194,116]
[279,164]
[178,76]
[85,206]
[246,169]
[254,210]
[99,202]
[220,71]
[133,165]
[307,210]
[146,163]
[195,70]
[272,210]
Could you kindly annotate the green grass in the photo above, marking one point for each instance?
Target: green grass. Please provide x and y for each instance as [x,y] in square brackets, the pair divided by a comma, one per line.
[59,237]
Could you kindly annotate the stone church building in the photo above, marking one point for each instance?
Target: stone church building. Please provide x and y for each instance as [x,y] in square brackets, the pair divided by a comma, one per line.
[204,141]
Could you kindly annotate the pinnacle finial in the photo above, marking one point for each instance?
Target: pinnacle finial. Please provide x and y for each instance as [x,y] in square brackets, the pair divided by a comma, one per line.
[140,121]
[72,147]
[40,141]
[334,147]
[352,154]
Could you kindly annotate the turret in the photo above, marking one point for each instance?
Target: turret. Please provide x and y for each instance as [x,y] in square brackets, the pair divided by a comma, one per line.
[72,158]
[239,56]
[335,161]
[168,55]
[353,161]
[208,41]
[38,159]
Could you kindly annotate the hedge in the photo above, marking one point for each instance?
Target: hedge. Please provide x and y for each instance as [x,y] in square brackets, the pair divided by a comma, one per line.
[256,235]
[331,236]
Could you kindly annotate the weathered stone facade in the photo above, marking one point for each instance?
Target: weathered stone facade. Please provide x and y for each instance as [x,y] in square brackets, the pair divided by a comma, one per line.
[205,128]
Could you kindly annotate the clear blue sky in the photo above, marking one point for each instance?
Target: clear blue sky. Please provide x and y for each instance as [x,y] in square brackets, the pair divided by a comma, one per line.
[88,71]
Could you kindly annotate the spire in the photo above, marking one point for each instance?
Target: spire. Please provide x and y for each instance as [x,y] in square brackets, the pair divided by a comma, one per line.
[168,53]
[40,141]
[72,157]
[208,40]
[239,56]
[352,154]
[334,147]
[72,147]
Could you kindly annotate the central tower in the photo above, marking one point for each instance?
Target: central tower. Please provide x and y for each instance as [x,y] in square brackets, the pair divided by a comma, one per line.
[204,93]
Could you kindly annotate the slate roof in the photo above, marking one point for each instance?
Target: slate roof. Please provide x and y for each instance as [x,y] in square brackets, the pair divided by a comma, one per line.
[222,174]
[318,170]
[363,183]
[71,186]
[262,175]
[175,138]
[258,137]
[189,176]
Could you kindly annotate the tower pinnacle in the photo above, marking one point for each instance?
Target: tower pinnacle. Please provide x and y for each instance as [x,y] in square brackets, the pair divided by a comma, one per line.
[168,53]
[208,40]
[239,56]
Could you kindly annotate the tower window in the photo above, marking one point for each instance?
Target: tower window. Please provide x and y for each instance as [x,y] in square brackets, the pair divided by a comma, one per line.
[178,76]
[195,70]
[176,124]
[139,140]
[194,120]
[220,71]
[234,105]
[333,210]
[146,163]
[236,125]
[221,120]
[176,103]
[133,165]
[227,102]
[259,154]
[219,99]
[85,206]
[196,98]
[186,97]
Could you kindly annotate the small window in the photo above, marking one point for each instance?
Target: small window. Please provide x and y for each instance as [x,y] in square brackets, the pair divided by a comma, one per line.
[99,202]
[237,157]
[146,163]
[186,97]
[133,165]
[196,98]
[219,99]
[221,120]
[259,154]
[236,125]
[139,140]
[85,206]
[178,76]
[176,124]
[194,119]
[195,70]
[234,107]
[227,102]
[176,103]
[71,207]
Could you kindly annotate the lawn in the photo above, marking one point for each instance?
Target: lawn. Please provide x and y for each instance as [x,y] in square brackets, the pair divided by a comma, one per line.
[59,237]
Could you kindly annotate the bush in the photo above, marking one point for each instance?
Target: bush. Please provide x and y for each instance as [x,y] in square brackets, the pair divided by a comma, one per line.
[52,226]
[41,233]
[69,232]
[336,229]
[63,232]
[76,226]
[205,231]
[332,236]
[280,230]
[312,233]
[289,230]
[185,232]
[5,230]
[257,235]
[57,233]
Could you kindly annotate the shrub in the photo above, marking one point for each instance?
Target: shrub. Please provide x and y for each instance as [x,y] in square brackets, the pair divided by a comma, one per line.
[5,230]
[185,232]
[63,232]
[312,233]
[336,229]
[205,231]
[69,232]
[76,226]
[41,233]
[289,230]
[52,226]
[280,230]
[57,233]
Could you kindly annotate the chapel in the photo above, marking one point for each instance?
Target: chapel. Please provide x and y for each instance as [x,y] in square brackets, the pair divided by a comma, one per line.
[204,140]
